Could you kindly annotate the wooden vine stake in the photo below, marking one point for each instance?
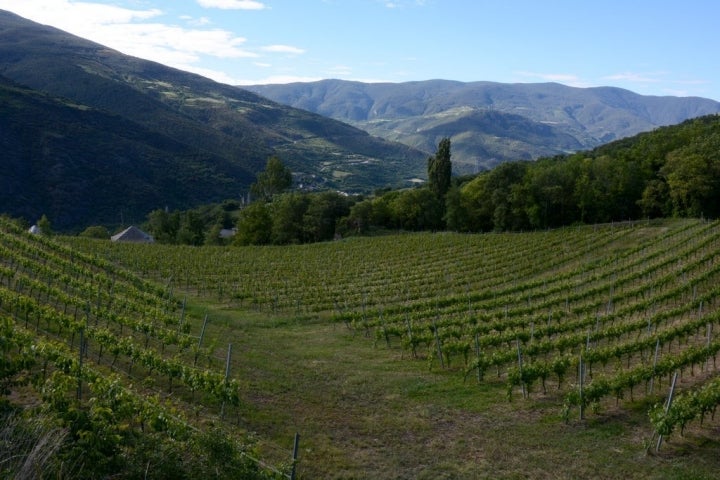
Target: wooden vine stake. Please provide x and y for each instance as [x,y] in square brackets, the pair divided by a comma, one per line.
[410,335]
[80,364]
[655,359]
[437,343]
[707,345]
[581,375]
[202,335]
[296,448]
[227,376]
[182,315]
[477,355]
[667,407]
[384,329]
[520,367]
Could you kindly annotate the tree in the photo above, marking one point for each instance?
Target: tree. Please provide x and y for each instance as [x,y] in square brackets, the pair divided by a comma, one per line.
[417,209]
[287,212]
[213,235]
[692,178]
[254,226]
[192,229]
[275,179]
[456,214]
[359,218]
[655,201]
[96,231]
[320,218]
[440,169]
[44,225]
[163,226]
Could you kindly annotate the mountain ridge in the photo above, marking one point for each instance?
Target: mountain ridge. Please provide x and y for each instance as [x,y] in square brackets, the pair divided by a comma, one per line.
[591,116]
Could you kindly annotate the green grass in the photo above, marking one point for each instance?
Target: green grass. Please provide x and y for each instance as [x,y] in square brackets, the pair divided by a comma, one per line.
[364,410]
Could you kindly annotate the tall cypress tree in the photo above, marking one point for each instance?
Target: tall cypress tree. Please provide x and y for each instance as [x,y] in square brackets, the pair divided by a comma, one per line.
[440,169]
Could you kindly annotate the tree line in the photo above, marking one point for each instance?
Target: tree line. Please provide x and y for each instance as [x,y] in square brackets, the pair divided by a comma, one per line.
[671,171]
[280,217]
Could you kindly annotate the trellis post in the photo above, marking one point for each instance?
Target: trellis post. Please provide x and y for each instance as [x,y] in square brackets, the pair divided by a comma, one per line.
[296,448]
[667,407]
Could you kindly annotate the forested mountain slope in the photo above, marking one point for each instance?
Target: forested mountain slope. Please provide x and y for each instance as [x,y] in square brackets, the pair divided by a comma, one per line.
[82,166]
[229,133]
[671,171]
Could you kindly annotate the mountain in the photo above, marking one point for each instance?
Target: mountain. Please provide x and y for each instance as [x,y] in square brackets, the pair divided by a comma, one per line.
[129,135]
[83,166]
[490,122]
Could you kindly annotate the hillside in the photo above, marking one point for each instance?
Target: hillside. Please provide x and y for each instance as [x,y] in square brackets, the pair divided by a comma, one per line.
[397,356]
[231,132]
[102,373]
[555,118]
[673,171]
[82,166]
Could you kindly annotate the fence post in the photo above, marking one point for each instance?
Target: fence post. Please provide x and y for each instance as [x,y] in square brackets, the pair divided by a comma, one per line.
[80,364]
[227,376]
[581,374]
[296,447]
[202,335]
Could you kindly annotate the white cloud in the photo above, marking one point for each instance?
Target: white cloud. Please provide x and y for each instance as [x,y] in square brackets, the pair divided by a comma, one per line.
[168,44]
[232,4]
[693,82]
[70,15]
[635,77]
[196,22]
[278,79]
[217,75]
[283,49]
[658,83]
[676,93]
[402,3]
[129,32]
[340,70]
[564,78]
[554,77]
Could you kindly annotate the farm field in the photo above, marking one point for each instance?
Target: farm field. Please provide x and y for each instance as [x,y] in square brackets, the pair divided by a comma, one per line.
[526,355]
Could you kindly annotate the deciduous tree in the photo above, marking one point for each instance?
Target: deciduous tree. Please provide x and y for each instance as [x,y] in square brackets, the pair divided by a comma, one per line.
[44,225]
[275,179]
[254,226]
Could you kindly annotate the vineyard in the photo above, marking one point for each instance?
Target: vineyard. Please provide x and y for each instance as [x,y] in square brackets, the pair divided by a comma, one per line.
[396,348]
[109,357]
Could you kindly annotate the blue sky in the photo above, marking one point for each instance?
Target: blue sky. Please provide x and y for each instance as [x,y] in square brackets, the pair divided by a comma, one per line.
[655,47]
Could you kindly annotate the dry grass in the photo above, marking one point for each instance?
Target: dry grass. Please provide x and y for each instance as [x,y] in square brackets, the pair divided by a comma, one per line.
[28,447]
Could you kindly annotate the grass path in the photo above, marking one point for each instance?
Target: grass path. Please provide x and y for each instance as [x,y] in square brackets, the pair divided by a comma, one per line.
[368,411]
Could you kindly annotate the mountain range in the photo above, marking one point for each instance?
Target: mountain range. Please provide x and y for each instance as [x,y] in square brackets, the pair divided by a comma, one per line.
[488,122]
[93,136]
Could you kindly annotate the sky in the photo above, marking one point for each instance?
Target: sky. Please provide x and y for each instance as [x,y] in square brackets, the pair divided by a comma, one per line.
[652,47]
